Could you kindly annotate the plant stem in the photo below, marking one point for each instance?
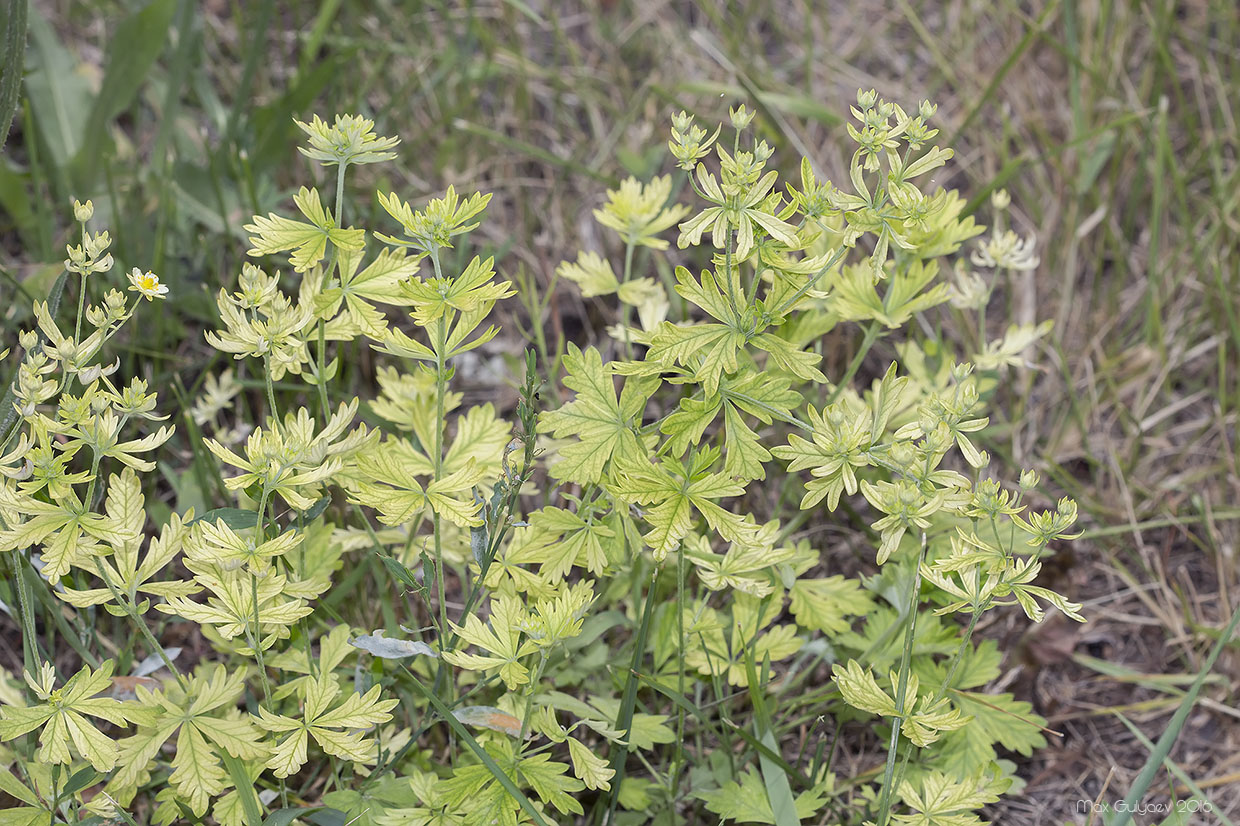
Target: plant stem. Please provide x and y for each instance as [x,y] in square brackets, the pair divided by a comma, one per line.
[271,390]
[23,599]
[964,641]
[77,329]
[678,760]
[884,805]
[132,612]
[441,388]
[255,638]
[871,336]
[321,354]
[625,309]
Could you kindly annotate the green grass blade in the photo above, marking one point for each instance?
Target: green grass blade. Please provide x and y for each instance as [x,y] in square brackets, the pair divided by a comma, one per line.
[1182,775]
[624,721]
[1146,778]
[12,57]
[1012,59]
[245,787]
[774,777]
[135,46]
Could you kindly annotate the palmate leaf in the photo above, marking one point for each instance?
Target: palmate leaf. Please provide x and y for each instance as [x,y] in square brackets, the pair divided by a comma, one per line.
[68,533]
[207,726]
[942,801]
[824,604]
[476,789]
[335,726]
[998,719]
[720,645]
[605,428]
[550,781]
[765,396]
[711,351]
[589,767]
[34,813]
[501,640]
[308,241]
[131,571]
[674,491]
[62,717]
[861,691]
[388,486]
[378,283]
[558,539]
[471,291]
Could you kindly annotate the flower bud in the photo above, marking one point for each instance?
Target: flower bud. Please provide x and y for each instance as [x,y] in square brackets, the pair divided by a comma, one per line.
[741,117]
[83,212]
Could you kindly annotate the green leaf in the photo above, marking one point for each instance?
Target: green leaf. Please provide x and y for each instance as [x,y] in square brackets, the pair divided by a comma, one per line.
[549,779]
[13,787]
[12,54]
[746,801]
[62,718]
[487,760]
[59,95]
[589,767]
[235,518]
[307,241]
[860,690]
[942,801]
[674,492]
[283,817]
[206,735]
[133,48]
[997,719]
[604,427]
[823,604]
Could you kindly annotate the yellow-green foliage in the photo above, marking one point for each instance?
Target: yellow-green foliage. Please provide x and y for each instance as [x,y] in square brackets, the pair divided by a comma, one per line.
[579,659]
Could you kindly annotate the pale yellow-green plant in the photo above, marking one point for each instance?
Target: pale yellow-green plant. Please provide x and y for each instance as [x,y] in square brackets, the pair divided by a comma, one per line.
[587,647]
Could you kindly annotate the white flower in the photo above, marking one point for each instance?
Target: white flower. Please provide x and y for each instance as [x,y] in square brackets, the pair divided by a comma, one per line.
[146,284]
[1006,250]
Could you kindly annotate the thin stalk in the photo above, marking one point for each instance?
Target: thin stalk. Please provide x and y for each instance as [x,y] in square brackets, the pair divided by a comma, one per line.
[255,638]
[964,641]
[29,642]
[322,332]
[77,327]
[678,760]
[529,694]
[271,390]
[625,308]
[871,336]
[441,388]
[884,805]
[132,612]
